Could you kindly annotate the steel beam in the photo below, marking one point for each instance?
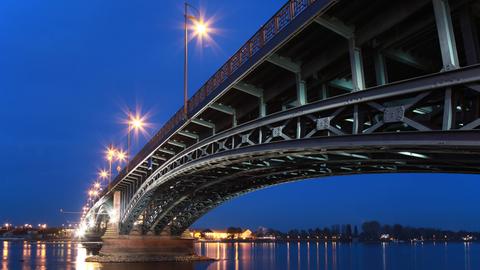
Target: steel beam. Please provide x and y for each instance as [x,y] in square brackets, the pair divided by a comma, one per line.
[408,59]
[177,144]
[356,63]
[284,62]
[166,151]
[301,90]
[256,92]
[293,67]
[188,134]
[447,110]
[223,108]
[355,52]
[203,123]
[381,72]
[227,110]
[249,89]
[262,110]
[343,84]
[446,36]
[336,26]
[159,157]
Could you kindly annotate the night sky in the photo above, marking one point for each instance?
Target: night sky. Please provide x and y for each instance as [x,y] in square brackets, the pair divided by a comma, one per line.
[69,70]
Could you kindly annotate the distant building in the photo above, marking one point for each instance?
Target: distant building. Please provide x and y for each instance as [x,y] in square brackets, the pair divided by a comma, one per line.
[217,235]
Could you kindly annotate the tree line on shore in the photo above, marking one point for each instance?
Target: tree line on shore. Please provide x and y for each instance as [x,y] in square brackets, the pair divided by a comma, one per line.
[371,231]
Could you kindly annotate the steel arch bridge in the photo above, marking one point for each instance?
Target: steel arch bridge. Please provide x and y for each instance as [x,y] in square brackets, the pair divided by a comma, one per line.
[323,88]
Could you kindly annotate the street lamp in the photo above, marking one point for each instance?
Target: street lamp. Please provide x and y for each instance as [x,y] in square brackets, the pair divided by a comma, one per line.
[111,152]
[103,174]
[96,186]
[135,123]
[121,157]
[201,29]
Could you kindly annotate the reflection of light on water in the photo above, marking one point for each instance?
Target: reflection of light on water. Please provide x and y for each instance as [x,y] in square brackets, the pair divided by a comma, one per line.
[334,255]
[384,255]
[247,258]
[298,256]
[5,250]
[80,263]
[288,255]
[41,254]
[326,255]
[27,251]
[5,255]
[308,255]
[69,252]
[318,256]
[466,246]
[272,247]
[236,257]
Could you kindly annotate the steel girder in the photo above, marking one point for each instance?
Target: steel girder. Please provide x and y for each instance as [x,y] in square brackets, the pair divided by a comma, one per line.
[441,102]
[446,102]
[231,173]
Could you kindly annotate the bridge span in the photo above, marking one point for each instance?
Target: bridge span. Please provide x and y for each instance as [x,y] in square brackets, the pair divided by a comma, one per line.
[325,87]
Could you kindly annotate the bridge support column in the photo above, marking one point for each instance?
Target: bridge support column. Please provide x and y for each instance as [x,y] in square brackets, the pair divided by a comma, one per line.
[141,248]
[112,226]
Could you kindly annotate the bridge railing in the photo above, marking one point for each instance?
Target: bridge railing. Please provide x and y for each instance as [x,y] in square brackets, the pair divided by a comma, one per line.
[269,30]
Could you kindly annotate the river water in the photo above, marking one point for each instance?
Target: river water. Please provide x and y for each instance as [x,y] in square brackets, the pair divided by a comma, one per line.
[282,256]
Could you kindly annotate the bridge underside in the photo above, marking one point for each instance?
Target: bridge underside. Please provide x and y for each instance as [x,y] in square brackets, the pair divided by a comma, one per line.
[324,88]
[179,202]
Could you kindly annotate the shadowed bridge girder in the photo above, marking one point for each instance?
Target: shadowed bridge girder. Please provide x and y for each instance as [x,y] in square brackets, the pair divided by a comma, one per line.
[199,188]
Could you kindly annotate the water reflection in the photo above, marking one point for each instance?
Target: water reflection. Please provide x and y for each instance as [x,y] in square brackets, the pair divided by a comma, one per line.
[467,256]
[27,255]
[384,256]
[5,255]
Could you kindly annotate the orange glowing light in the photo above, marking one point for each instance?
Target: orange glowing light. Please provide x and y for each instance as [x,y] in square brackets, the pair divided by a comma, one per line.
[136,122]
[111,152]
[103,174]
[201,28]
[121,156]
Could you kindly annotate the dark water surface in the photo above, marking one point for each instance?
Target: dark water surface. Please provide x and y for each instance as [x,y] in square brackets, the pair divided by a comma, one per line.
[283,256]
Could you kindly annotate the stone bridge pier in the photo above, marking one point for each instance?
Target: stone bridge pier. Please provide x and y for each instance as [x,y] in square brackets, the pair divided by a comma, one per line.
[138,247]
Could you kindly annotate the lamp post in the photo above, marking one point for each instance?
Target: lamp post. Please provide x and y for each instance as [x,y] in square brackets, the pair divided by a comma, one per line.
[135,123]
[201,29]
[103,175]
[111,152]
[121,157]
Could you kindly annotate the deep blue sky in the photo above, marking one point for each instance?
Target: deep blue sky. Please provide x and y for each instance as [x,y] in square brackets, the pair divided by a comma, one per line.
[69,68]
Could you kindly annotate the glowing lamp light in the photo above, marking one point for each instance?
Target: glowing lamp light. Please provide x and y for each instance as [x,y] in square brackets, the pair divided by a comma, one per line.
[136,122]
[201,28]
[103,174]
[121,156]
[111,152]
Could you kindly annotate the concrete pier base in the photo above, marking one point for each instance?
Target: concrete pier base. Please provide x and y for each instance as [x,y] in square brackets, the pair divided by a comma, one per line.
[146,248]
[146,245]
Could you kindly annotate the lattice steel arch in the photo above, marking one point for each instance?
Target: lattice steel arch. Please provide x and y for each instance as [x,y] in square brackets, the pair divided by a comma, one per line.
[362,112]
